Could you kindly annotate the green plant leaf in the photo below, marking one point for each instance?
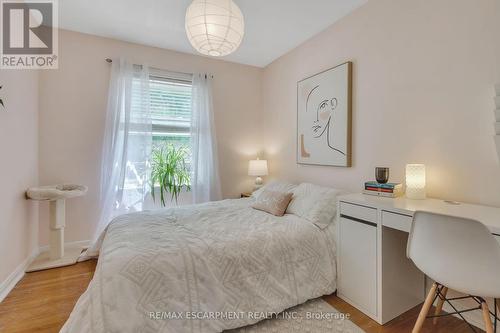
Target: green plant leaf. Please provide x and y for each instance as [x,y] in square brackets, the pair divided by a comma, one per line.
[170,172]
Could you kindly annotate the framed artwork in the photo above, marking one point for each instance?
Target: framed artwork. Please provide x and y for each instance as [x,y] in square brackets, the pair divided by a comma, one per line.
[324,108]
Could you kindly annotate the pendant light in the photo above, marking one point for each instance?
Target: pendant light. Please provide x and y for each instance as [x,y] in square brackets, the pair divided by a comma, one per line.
[214,27]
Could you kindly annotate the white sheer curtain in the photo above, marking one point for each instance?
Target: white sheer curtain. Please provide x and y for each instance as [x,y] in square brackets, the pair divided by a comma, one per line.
[205,182]
[127,145]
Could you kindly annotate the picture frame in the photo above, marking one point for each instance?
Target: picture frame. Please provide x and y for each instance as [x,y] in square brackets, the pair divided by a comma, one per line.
[324,117]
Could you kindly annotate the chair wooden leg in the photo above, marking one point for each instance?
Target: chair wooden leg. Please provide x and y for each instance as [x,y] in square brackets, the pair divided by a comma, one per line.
[486,317]
[439,305]
[425,309]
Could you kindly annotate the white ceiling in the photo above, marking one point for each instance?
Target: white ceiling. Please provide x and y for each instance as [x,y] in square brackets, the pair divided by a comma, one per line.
[272,27]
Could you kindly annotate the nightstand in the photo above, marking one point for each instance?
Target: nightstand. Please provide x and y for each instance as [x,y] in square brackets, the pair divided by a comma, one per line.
[246,195]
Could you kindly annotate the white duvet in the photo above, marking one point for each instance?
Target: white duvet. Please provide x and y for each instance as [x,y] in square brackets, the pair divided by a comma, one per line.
[203,268]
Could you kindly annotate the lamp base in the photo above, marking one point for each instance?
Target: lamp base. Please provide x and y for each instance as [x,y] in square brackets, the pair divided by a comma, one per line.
[258,183]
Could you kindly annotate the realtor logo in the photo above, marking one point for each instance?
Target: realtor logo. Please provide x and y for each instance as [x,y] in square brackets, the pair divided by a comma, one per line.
[29,34]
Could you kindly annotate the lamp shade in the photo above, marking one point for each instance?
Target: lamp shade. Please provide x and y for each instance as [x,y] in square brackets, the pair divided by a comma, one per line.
[415,181]
[257,168]
[214,27]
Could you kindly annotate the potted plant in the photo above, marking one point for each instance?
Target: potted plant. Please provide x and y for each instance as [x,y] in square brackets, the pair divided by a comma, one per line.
[169,171]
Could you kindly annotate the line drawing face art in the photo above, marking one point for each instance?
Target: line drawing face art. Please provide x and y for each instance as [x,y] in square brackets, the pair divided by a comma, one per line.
[324,112]
[324,103]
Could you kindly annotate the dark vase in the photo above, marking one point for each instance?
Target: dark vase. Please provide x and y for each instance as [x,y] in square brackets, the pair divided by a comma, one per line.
[382,175]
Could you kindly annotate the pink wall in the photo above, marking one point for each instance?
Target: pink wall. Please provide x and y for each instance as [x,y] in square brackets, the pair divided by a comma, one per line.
[423,92]
[18,168]
[72,112]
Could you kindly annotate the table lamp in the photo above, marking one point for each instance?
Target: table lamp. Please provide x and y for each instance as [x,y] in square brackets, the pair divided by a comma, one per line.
[257,168]
[415,181]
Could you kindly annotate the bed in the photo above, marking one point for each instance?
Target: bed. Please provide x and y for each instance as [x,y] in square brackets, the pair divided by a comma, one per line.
[204,268]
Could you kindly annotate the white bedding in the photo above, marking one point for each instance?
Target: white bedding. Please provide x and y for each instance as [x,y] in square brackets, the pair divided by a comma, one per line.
[217,259]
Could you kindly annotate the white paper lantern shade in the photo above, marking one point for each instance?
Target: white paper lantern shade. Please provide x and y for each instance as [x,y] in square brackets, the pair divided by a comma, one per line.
[214,27]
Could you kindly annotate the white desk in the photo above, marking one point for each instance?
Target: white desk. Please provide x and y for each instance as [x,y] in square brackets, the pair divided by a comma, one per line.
[374,274]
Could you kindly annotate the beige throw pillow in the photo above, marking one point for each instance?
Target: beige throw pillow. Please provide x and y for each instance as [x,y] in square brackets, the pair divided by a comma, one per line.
[274,185]
[273,202]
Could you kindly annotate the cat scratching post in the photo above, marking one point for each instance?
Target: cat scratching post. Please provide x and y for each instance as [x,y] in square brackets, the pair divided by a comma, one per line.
[57,220]
[57,255]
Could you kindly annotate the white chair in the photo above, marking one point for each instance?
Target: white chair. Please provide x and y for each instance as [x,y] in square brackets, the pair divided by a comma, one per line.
[457,253]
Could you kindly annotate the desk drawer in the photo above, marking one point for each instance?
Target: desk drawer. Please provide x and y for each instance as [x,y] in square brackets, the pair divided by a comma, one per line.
[396,221]
[359,212]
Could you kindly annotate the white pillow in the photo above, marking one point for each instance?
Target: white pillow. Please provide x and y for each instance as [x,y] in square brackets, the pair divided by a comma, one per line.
[314,203]
[275,186]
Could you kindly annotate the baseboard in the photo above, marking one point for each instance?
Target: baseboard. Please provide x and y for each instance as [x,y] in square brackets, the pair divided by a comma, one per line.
[8,284]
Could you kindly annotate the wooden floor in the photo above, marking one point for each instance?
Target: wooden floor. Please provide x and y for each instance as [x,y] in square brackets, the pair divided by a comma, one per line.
[401,324]
[42,301]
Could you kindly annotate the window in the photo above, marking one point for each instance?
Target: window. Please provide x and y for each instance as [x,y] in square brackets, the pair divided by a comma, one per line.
[170,111]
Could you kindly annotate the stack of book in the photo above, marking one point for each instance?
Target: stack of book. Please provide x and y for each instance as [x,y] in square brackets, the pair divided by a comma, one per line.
[390,190]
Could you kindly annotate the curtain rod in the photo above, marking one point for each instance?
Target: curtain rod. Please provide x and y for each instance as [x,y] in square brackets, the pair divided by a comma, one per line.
[109,60]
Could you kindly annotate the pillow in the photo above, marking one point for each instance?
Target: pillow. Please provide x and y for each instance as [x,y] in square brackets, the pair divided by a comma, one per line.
[276,186]
[273,202]
[314,203]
